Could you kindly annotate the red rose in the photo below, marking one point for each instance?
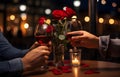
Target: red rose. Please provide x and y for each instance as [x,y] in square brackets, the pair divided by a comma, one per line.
[49,29]
[59,14]
[41,20]
[69,11]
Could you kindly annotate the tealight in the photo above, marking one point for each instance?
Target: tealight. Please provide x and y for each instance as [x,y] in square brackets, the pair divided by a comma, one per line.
[75,58]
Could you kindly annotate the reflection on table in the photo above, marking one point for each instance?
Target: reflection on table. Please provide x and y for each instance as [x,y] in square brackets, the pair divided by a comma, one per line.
[89,69]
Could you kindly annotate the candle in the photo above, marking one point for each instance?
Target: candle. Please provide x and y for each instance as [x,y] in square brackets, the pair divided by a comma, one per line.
[75,57]
[75,62]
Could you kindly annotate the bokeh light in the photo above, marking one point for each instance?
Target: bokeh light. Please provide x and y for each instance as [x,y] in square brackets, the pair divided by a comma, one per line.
[12,17]
[101,20]
[47,11]
[87,19]
[111,21]
[23,7]
[26,25]
[77,3]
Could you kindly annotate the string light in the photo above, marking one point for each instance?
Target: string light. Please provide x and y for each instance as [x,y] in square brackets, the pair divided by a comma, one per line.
[111,21]
[26,25]
[87,19]
[77,3]
[101,20]
[12,17]
[47,11]
[23,7]
[23,16]
[103,2]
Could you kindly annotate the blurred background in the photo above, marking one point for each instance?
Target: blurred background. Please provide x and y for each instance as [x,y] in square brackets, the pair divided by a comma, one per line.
[18,18]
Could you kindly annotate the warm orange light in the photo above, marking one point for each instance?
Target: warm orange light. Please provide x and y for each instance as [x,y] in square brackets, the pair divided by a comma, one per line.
[12,17]
[111,21]
[26,25]
[103,2]
[76,71]
[23,16]
[101,20]
[87,19]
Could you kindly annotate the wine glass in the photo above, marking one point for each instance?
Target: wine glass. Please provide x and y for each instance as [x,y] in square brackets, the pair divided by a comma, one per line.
[74,25]
[43,36]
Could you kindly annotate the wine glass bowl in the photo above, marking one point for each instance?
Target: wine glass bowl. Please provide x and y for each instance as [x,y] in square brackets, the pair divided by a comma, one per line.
[42,35]
[74,25]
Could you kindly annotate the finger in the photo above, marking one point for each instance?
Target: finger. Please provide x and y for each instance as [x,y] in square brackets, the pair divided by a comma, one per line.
[44,47]
[45,52]
[46,57]
[50,43]
[78,38]
[75,32]
[36,44]
[41,51]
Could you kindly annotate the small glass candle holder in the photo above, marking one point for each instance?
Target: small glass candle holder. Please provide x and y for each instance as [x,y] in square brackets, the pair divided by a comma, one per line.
[75,56]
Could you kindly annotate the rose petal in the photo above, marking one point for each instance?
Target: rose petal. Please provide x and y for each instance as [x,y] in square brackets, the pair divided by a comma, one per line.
[70,12]
[49,29]
[66,71]
[84,65]
[41,20]
[59,14]
[67,62]
[64,67]
[56,71]
[91,72]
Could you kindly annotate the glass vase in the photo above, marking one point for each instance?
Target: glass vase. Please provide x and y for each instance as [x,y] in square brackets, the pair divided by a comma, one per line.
[58,53]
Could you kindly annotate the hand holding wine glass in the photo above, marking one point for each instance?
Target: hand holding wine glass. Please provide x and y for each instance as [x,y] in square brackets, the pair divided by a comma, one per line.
[43,34]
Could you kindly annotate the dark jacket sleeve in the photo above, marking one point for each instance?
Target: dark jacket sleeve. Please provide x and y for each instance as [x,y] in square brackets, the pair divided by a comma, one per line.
[11,68]
[10,59]
[7,51]
[109,47]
